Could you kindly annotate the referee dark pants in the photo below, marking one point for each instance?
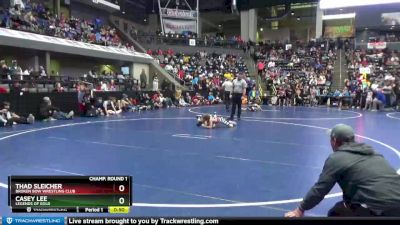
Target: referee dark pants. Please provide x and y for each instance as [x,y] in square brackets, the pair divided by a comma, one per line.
[236,101]
[342,209]
[227,99]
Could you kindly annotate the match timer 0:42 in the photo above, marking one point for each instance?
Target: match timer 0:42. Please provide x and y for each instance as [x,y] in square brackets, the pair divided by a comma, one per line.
[89,194]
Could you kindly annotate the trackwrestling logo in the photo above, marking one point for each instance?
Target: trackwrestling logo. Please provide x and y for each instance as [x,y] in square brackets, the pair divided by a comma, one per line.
[33,220]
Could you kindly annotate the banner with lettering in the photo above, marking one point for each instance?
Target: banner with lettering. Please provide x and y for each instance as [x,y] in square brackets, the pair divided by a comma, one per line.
[376,45]
[179,26]
[179,13]
[339,31]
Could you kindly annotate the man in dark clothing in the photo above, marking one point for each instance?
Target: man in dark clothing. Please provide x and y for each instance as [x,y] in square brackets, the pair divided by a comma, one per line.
[371,187]
[143,80]
[238,91]
[49,112]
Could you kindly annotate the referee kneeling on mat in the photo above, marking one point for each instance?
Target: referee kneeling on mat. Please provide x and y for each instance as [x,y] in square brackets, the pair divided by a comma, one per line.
[371,187]
[239,90]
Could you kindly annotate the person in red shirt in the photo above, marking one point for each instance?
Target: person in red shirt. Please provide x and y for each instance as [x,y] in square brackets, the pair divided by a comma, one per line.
[364,62]
[195,99]
[170,51]
[260,67]
[181,74]
[155,96]
[3,90]
[216,81]
[150,52]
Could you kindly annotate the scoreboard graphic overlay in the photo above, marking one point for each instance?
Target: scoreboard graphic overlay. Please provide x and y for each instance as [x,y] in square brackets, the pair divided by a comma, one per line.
[70,194]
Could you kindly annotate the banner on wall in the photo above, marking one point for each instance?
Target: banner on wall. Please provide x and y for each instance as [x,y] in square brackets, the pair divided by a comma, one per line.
[179,26]
[377,45]
[339,31]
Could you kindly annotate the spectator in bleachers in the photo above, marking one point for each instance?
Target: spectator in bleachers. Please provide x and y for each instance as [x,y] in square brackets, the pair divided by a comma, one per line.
[58,88]
[3,90]
[15,69]
[42,71]
[34,17]
[4,70]
[260,67]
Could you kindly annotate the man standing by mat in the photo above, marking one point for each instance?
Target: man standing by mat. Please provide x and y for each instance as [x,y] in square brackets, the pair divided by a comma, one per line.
[239,90]
[227,87]
[371,187]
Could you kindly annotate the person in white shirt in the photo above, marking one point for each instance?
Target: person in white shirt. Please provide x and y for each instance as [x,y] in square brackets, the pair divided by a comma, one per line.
[42,71]
[168,68]
[227,85]
[368,101]
[103,86]
[182,102]
[271,64]
[155,84]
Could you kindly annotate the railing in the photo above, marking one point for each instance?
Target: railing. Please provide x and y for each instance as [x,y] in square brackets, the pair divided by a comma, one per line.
[175,77]
[36,83]
[179,40]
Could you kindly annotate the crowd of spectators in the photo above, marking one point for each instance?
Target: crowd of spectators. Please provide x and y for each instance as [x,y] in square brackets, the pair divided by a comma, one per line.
[202,72]
[296,74]
[373,79]
[207,40]
[15,79]
[383,36]
[33,16]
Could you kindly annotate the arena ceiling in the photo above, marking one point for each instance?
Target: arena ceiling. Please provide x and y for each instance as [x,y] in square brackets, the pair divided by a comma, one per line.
[225,5]
[250,4]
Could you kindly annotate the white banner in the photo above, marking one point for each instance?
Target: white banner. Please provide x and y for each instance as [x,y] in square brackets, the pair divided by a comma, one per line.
[179,26]
[179,13]
[376,45]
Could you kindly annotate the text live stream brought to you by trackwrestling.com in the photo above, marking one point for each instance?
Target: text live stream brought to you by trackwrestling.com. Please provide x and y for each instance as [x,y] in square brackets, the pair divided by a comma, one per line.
[103,221]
